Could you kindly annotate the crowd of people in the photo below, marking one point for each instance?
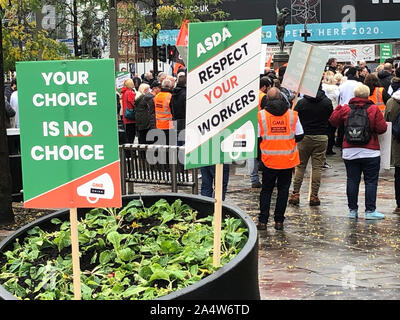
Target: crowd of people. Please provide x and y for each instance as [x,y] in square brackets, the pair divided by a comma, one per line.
[348,112]
[352,107]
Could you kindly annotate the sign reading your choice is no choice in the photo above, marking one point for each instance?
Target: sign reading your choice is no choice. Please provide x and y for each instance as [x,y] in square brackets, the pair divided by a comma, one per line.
[69,137]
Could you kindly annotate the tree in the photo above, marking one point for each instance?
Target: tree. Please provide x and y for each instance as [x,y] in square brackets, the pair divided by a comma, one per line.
[170,13]
[130,21]
[6,212]
[22,41]
[90,14]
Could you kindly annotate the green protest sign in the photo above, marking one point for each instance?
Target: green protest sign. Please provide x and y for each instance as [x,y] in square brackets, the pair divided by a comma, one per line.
[386,51]
[69,136]
[222,92]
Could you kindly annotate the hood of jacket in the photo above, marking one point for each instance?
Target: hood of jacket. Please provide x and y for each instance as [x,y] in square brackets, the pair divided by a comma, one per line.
[395,84]
[396,96]
[125,89]
[277,107]
[320,96]
[383,74]
[360,102]
[178,90]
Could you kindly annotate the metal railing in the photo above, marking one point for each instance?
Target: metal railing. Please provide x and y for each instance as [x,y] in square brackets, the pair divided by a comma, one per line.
[155,164]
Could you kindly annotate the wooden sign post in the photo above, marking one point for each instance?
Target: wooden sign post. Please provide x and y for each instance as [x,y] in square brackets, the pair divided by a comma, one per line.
[73,218]
[219,169]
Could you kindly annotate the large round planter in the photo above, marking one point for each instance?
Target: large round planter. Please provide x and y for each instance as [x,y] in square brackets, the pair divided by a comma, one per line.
[237,279]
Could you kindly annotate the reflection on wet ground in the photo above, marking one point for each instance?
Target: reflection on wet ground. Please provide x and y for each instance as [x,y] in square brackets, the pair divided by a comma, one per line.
[322,254]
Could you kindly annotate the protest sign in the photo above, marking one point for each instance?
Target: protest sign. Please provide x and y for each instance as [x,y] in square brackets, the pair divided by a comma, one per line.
[305,68]
[386,51]
[69,136]
[222,92]
[120,78]
[69,139]
[385,142]
[222,100]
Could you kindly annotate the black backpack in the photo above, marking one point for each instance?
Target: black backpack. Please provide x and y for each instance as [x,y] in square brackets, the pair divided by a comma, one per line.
[357,130]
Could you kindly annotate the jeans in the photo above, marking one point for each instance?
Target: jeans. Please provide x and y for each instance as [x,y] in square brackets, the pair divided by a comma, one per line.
[313,147]
[269,177]
[370,168]
[207,180]
[252,165]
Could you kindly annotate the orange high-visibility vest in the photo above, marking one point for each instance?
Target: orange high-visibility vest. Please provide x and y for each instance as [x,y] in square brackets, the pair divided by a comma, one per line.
[163,111]
[377,98]
[278,145]
[262,94]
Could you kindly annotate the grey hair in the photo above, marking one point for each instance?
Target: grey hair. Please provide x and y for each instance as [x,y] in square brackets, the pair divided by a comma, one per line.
[362,91]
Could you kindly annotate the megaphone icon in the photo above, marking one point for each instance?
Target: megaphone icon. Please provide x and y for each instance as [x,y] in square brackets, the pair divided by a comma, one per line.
[241,140]
[101,187]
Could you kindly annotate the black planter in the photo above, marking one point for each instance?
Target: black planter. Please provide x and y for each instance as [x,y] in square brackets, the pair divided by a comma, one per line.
[236,280]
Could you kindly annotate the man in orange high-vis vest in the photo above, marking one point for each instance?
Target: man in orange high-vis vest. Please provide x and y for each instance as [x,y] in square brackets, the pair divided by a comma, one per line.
[377,98]
[162,110]
[252,164]
[280,130]
[266,83]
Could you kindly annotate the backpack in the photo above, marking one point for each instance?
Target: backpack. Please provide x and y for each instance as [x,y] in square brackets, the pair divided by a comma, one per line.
[396,128]
[357,130]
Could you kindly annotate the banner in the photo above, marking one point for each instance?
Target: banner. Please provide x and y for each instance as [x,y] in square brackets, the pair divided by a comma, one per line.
[69,136]
[222,92]
[320,32]
[346,53]
[182,41]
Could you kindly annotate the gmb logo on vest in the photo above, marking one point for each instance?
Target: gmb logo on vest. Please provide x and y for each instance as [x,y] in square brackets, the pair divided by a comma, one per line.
[278,126]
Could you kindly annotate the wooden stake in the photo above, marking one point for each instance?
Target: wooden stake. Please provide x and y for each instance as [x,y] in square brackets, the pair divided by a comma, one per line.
[73,218]
[219,169]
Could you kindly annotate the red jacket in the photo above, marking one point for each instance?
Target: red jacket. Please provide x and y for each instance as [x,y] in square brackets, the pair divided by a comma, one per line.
[377,123]
[128,99]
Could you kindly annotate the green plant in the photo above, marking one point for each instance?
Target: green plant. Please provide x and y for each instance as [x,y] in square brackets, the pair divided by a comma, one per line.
[132,253]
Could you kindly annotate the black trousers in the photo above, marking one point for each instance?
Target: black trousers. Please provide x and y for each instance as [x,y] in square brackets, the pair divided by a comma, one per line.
[130,130]
[283,179]
[331,138]
[397,185]
[142,136]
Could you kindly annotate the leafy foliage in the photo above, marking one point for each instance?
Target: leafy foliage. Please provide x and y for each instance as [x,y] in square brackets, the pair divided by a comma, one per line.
[136,253]
[22,41]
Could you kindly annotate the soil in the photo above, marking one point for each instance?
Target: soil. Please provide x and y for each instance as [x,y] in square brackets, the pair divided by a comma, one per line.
[23,216]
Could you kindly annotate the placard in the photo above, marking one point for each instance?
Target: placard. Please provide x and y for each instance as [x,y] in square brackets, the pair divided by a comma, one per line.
[69,136]
[305,68]
[222,92]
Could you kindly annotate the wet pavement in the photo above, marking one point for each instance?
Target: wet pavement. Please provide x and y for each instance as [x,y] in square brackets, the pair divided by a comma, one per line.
[321,254]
